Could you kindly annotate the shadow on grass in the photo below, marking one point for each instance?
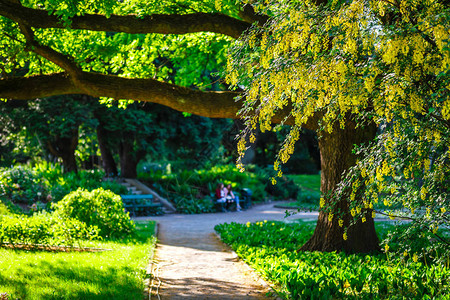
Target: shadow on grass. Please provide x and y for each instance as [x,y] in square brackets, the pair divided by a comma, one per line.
[64,280]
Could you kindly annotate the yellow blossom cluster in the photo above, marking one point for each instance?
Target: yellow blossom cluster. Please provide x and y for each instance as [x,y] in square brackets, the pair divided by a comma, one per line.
[345,60]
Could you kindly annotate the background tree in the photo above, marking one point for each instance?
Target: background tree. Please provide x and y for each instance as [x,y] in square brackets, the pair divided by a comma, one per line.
[55,123]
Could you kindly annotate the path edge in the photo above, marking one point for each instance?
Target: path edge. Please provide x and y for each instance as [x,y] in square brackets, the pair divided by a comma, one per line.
[276,294]
[149,269]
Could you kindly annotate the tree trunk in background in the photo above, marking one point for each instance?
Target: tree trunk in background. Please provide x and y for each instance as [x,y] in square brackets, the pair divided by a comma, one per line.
[129,158]
[108,162]
[336,158]
[64,148]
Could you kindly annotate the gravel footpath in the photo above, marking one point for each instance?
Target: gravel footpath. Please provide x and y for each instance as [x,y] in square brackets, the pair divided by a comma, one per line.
[192,262]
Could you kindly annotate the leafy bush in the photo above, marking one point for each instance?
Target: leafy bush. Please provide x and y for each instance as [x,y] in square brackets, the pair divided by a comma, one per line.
[46,182]
[44,229]
[101,208]
[4,209]
[284,189]
[270,248]
[88,179]
[194,206]
[21,185]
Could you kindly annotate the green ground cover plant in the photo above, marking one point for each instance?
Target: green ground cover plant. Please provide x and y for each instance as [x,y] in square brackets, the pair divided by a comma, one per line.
[114,274]
[270,248]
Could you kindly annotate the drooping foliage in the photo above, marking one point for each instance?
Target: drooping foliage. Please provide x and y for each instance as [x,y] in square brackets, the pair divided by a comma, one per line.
[386,62]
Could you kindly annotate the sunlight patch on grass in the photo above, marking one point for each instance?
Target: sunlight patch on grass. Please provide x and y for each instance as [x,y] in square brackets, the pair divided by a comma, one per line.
[116,274]
[307,182]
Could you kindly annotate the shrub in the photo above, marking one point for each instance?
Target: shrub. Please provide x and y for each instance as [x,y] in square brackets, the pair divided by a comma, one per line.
[101,208]
[44,229]
[284,189]
[194,206]
[21,185]
[4,209]
[45,182]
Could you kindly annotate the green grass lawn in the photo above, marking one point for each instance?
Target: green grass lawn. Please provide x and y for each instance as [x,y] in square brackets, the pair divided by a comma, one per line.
[310,191]
[115,274]
[307,182]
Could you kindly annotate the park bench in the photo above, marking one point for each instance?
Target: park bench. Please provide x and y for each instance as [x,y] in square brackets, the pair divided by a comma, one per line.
[245,199]
[141,205]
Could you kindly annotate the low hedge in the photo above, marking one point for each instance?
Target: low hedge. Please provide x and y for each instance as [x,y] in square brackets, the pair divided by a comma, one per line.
[44,229]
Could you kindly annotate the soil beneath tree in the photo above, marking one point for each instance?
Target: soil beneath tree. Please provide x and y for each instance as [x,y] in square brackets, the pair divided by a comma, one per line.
[192,262]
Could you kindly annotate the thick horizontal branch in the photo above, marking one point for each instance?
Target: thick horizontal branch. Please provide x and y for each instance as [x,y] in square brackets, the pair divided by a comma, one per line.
[207,104]
[37,87]
[157,23]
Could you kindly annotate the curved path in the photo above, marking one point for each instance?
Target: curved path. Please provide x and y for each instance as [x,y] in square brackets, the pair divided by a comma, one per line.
[192,263]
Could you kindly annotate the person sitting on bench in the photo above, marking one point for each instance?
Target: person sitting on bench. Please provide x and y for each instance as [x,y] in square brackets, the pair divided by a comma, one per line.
[230,196]
[221,196]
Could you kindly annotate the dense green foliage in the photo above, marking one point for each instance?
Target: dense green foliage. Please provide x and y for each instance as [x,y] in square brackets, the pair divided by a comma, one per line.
[100,208]
[45,182]
[45,230]
[270,248]
[192,190]
[4,209]
[80,215]
[115,274]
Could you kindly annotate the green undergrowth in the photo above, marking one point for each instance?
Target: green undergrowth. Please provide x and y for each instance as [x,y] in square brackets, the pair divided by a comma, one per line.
[117,273]
[270,248]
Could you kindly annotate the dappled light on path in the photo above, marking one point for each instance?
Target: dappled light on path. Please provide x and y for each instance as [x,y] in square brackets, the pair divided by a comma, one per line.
[187,272]
[193,263]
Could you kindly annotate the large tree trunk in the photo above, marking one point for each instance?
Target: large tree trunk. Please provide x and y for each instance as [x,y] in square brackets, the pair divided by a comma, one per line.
[336,158]
[108,162]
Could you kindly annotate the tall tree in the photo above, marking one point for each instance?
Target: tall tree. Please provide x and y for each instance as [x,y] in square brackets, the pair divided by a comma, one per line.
[308,65]
[356,63]
[69,49]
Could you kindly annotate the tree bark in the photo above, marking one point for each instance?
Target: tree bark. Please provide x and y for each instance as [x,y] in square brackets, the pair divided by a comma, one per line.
[156,23]
[108,162]
[336,158]
[64,148]
[129,158]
